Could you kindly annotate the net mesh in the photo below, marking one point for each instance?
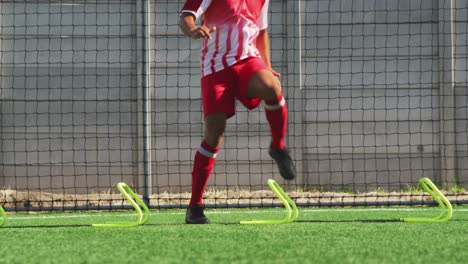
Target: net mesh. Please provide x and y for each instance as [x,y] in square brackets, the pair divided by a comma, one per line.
[92,93]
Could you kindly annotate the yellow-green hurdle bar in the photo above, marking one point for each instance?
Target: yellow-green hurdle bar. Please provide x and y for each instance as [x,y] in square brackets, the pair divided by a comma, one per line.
[444,204]
[136,202]
[291,209]
[3,215]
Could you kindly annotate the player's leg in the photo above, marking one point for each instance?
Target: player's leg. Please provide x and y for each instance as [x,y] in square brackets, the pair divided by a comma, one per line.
[264,85]
[218,105]
[203,165]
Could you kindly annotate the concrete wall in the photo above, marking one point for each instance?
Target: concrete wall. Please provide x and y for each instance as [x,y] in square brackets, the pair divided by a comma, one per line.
[367,116]
[68,95]
[371,76]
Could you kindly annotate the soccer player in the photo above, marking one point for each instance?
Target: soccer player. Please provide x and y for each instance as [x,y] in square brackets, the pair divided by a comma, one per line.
[235,64]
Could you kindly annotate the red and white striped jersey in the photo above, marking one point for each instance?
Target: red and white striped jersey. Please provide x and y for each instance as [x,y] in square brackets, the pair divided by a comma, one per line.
[237,23]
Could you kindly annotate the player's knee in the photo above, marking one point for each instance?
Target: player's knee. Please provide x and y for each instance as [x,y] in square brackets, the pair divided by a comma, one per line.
[214,129]
[264,86]
[272,90]
[214,137]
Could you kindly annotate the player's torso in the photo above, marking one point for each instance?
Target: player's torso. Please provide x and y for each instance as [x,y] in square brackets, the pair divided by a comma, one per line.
[231,11]
[236,23]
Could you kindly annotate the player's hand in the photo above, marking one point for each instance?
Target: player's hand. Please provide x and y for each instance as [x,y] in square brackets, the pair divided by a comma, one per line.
[202,32]
[276,74]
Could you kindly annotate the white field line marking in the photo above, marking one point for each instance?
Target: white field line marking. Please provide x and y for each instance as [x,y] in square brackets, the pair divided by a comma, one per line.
[213,212]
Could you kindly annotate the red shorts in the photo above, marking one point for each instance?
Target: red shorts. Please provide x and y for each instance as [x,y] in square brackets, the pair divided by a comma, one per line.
[221,89]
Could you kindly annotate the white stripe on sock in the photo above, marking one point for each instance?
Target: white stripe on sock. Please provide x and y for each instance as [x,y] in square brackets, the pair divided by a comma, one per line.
[276,106]
[206,153]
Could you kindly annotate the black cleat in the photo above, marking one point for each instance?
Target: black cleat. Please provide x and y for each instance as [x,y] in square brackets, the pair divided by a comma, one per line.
[195,215]
[285,164]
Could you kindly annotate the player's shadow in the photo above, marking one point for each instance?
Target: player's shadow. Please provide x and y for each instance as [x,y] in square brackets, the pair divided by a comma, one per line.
[366,221]
[73,226]
[218,223]
[351,221]
[41,226]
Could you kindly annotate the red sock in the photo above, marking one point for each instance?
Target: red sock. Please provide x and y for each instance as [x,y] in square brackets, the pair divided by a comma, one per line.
[277,115]
[203,164]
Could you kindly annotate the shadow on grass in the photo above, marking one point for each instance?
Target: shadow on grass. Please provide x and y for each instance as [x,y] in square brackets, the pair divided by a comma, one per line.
[97,228]
[41,226]
[367,221]
[215,224]
[351,221]
[69,226]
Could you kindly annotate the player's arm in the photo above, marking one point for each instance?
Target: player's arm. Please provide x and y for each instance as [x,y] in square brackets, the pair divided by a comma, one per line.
[190,29]
[263,46]
[263,39]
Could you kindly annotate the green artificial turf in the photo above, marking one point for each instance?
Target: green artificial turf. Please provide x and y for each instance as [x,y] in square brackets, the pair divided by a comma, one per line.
[355,235]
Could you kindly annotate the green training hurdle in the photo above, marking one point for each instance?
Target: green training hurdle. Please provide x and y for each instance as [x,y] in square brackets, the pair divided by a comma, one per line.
[3,213]
[444,204]
[136,202]
[291,209]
